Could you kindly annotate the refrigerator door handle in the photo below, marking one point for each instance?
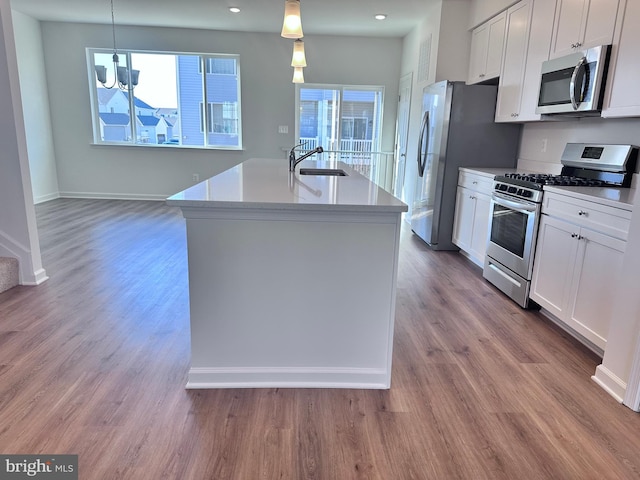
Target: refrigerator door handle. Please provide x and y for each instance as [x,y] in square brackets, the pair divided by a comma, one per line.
[422,158]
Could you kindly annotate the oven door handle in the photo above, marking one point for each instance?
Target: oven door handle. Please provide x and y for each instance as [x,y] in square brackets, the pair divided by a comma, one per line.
[521,207]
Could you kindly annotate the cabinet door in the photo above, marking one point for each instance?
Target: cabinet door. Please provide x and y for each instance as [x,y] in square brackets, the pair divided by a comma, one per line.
[600,23]
[623,93]
[583,24]
[486,50]
[463,219]
[598,267]
[540,31]
[553,266]
[478,247]
[569,26]
[478,54]
[515,55]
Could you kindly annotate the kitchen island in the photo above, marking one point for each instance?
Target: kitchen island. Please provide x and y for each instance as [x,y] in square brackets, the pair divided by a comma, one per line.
[292,278]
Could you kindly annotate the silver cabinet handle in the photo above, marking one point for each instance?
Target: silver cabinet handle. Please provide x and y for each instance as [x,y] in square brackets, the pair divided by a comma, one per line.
[474,183]
[582,213]
[574,235]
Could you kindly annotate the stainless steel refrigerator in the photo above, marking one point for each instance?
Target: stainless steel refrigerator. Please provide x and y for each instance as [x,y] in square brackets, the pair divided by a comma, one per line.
[458,130]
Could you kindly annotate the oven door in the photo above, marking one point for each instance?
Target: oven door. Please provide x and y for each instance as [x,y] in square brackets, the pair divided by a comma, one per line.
[512,233]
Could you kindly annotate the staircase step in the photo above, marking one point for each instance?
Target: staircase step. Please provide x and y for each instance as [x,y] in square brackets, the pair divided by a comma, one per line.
[9,276]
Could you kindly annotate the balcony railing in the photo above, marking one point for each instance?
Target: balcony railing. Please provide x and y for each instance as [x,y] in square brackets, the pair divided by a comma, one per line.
[377,166]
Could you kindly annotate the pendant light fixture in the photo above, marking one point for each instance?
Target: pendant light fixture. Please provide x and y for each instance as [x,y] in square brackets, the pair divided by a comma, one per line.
[123,77]
[298,59]
[298,75]
[292,25]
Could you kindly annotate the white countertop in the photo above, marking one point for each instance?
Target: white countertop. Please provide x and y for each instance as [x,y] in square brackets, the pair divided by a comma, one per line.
[267,183]
[612,196]
[488,172]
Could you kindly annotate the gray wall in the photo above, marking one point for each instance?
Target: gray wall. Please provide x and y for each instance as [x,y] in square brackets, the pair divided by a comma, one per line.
[268,98]
[448,60]
[35,104]
[18,231]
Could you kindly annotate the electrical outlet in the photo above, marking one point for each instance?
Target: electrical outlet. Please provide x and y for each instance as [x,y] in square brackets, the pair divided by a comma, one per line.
[543,145]
[196,177]
[283,128]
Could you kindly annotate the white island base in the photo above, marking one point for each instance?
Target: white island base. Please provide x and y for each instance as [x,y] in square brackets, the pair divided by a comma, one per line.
[292,294]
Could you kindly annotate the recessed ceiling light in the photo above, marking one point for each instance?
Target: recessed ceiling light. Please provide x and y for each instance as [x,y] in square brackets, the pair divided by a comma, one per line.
[380,16]
[234,9]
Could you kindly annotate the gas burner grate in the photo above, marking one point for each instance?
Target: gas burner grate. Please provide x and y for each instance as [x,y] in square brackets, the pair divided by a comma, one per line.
[548,179]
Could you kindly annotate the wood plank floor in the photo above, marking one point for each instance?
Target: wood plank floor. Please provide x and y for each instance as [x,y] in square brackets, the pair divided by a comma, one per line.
[94,362]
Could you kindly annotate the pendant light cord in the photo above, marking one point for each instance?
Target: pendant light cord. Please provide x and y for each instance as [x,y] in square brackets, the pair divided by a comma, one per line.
[113,28]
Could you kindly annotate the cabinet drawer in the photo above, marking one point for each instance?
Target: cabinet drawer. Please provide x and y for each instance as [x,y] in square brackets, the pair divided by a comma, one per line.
[602,218]
[478,183]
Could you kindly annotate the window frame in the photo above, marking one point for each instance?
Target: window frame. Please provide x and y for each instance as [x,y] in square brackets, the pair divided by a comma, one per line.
[341,88]
[203,59]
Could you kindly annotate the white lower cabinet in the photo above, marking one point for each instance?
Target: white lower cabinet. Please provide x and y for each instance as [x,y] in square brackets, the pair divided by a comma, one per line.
[471,222]
[575,272]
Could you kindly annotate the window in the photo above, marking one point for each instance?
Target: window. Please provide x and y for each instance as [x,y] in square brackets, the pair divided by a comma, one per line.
[168,101]
[341,119]
[219,118]
[345,120]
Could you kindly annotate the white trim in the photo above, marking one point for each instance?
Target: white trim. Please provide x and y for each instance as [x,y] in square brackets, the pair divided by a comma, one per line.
[46,198]
[114,196]
[632,393]
[290,377]
[610,382]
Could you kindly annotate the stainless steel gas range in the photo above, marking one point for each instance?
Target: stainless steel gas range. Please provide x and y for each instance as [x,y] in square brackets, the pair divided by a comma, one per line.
[516,204]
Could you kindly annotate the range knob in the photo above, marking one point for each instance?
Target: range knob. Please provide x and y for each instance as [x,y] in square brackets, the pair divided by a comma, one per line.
[527,193]
[512,190]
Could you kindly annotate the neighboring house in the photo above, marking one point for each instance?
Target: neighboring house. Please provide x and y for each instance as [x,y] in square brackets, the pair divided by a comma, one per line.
[141,107]
[168,125]
[165,130]
[154,125]
[222,104]
[147,128]
[112,101]
[114,127]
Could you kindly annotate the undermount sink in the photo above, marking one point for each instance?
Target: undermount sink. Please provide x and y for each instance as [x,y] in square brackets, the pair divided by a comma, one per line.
[335,172]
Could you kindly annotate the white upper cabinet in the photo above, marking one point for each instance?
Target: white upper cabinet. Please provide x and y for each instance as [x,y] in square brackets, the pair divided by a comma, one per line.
[623,95]
[486,50]
[514,61]
[581,24]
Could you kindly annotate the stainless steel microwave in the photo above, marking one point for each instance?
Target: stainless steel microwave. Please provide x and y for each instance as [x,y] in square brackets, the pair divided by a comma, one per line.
[574,83]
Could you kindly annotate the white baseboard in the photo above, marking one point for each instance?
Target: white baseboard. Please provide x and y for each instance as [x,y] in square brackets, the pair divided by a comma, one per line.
[46,198]
[611,383]
[257,377]
[39,276]
[115,196]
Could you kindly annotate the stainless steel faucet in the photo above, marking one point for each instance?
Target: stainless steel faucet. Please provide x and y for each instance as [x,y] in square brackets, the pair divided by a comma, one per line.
[293,161]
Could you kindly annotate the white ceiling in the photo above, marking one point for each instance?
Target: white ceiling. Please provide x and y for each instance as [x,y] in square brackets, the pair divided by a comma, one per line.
[319,17]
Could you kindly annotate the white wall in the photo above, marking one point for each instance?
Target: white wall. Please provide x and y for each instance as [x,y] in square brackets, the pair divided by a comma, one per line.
[445,26]
[483,10]
[454,44]
[18,231]
[558,133]
[35,104]
[268,97]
